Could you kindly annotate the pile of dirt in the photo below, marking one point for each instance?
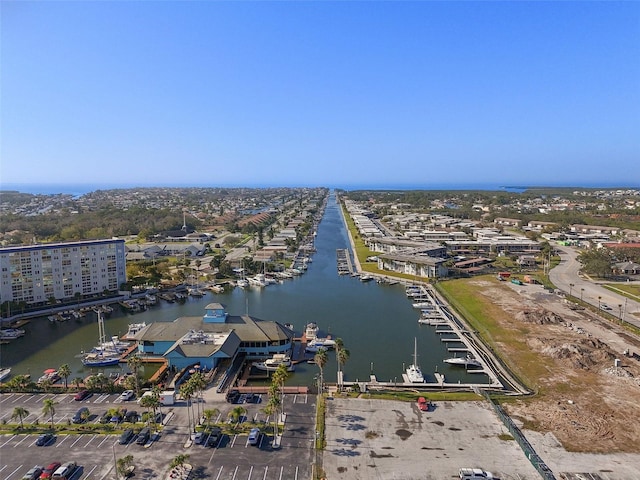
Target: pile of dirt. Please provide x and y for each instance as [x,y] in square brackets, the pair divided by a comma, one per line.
[582,353]
[541,316]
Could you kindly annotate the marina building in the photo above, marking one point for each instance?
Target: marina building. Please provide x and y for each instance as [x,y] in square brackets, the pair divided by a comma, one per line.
[213,338]
[36,274]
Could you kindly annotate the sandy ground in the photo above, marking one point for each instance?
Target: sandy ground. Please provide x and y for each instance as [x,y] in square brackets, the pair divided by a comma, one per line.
[590,405]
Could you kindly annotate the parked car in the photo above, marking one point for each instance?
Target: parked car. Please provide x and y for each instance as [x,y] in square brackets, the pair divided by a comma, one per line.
[131,416]
[253,398]
[197,437]
[423,404]
[143,436]
[106,417]
[44,439]
[118,416]
[127,395]
[49,469]
[254,436]
[214,437]
[81,395]
[126,436]
[33,473]
[233,396]
[64,471]
[81,415]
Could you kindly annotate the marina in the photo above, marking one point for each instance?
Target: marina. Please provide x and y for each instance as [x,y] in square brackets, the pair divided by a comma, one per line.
[366,316]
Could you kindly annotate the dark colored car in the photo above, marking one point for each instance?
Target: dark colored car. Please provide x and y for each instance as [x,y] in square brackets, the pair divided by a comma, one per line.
[81,415]
[119,416]
[49,469]
[143,436]
[131,416]
[81,395]
[214,437]
[44,439]
[126,436]
[105,418]
[233,396]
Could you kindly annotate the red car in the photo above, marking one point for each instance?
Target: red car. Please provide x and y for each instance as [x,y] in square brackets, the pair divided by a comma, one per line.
[423,404]
[48,472]
[81,395]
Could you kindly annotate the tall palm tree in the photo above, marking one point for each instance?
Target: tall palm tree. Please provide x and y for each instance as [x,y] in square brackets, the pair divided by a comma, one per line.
[199,384]
[209,413]
[186,392]
[151,403]
[321,360]
[237,413]
[49,408]
[65,372]
[271,408]
[77,382]
[134,362]
[342,356]
[20,413]
[178,460]
[279,378]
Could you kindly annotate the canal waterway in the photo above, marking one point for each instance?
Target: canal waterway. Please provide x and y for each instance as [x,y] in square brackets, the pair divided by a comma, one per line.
[376,322]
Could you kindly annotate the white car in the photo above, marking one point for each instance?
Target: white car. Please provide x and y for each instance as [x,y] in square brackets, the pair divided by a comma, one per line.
[127,395]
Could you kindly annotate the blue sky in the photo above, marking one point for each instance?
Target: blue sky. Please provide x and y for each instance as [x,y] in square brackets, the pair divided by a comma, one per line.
[320,93]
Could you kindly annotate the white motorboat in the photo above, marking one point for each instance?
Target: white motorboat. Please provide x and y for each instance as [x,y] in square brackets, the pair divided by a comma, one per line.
[311,331]
[134,328]
[466,362]
[11,333]
[318,343]
[272,364]
[4,374]
[414,374]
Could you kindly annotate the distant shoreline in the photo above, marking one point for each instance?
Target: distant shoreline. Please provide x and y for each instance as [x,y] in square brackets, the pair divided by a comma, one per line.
[79,189]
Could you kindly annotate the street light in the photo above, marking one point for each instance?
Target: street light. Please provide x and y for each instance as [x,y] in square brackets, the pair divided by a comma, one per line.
[581,292]
[571,285]
[599,298]
[620,312]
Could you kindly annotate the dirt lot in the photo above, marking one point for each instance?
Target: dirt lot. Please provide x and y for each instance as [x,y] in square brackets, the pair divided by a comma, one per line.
[586,402]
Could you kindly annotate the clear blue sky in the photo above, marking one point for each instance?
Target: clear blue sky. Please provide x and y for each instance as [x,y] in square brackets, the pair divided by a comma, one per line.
[320,93]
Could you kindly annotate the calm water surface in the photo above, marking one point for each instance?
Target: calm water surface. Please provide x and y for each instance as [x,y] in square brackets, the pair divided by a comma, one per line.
[376,322]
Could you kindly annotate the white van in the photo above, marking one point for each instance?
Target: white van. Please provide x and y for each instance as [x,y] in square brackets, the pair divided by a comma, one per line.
[64,471]
[476,474]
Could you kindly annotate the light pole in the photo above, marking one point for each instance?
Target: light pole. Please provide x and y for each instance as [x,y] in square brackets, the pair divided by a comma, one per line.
[599,298]
[581,292]
[620,312]
[570,288]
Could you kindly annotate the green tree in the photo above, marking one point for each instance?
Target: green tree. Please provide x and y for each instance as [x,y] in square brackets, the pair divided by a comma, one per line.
[178,460]
[237,413]
[320,358]
[20,413]
[65,372]
[209,413]
[124,465]
[134,362]
[186,392]
[49,408]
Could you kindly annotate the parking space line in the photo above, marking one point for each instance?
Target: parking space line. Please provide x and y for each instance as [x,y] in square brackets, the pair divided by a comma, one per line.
[219,472]
[25,437]
[18,398]
[250,472]
[266,469]
[281,472]
[6,398]
[106,437]
[14,471]
[10,438]
[88,474]
[1,469]
[235,472]
[58,444]
[91,440]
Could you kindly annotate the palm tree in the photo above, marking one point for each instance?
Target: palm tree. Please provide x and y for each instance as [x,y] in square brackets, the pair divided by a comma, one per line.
[151,403]
[279,378]
[49,408]
[198,383]
[124,464]
[179,460]
[186,392]
[19,413]
[342,356]
[134,362]
[209,414]
[65,372]
[321,360]
[271,408]
[237,413]
[77,382]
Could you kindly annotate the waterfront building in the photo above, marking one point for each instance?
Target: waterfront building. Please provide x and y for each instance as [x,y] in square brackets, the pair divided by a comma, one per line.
[213,338]
[36,274]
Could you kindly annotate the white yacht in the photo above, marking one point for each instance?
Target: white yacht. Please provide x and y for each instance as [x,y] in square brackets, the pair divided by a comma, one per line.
[467,361]
[311,331]
[133,329]
[318,343]
[414,374]
[4,373]
[272,364]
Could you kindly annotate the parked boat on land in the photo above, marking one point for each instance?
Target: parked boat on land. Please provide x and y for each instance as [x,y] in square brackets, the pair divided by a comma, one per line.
[413,371]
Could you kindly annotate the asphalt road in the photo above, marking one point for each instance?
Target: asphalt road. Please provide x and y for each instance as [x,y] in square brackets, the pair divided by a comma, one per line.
[566,277]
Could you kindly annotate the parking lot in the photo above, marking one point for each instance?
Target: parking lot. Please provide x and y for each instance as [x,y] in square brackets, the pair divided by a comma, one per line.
[230,458]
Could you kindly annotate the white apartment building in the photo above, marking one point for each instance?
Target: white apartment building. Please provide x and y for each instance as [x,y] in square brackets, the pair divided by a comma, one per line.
[36,273]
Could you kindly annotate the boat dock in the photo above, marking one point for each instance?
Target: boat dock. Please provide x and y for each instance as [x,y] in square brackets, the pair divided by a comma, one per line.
[345,266]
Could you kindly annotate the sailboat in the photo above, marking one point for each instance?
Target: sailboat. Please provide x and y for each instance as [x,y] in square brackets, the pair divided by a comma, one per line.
[100,356]
[414,374]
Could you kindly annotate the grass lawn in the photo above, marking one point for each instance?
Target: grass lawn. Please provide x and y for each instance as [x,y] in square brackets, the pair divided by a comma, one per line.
[628,290]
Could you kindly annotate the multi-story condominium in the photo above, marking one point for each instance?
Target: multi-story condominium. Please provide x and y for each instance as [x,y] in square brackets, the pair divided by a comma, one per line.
[36,274]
